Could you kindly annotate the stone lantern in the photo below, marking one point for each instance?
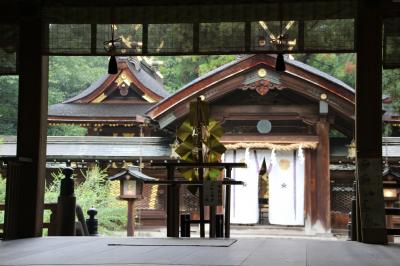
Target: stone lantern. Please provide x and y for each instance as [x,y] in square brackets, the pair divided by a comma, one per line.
[131,189]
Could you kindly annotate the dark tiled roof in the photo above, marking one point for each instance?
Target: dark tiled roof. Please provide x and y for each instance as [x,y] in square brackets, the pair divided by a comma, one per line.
[146,78]
[102,148]
[97,110]
[89,90]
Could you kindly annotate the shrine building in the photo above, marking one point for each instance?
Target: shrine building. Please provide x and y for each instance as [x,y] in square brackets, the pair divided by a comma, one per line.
[292,128]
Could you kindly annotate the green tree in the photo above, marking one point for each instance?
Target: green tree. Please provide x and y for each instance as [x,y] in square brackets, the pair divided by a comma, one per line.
[8,105]
[340,66]
[180,70]
[68,76]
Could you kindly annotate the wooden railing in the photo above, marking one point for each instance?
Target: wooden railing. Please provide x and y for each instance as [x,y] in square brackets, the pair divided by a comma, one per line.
[51,225]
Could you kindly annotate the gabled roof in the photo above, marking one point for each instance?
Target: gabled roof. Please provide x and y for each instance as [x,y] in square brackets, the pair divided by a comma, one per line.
[299,77]
[143,76]
[96,103]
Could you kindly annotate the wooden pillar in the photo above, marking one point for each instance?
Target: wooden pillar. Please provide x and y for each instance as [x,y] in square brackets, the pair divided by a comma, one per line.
[310,188]
[228,204]
[369,122]
[172,205]
[322,187]
[25,200]
[130,228]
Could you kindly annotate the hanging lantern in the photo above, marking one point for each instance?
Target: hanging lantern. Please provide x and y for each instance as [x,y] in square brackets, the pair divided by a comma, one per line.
[111,46]
[280,63]
[112,65]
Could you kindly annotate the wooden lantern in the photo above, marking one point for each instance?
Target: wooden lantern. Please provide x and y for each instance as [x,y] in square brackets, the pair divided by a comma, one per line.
[131,189]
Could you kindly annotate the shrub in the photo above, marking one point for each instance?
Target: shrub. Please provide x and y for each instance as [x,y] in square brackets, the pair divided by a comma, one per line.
[97,191]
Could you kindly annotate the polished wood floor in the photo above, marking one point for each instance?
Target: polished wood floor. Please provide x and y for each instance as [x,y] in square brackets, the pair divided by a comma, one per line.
[245,251]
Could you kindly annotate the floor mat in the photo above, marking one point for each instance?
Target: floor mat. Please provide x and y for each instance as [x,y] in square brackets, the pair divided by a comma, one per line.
[195,242]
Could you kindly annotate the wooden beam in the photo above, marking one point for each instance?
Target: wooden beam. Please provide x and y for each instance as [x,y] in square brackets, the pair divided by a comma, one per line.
[369,122]
[257,112]
[270,138]
[24,216]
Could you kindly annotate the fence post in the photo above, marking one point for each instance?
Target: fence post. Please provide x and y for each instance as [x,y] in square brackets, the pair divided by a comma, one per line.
[91,222]
[219,225]
[185,225]
[66,205]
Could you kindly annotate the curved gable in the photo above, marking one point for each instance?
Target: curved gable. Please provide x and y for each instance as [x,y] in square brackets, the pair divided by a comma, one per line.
[131,73]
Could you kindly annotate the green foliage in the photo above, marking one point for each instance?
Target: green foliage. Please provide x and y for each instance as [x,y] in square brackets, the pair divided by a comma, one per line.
[391,85]
[95,190]
[2,189]
[179,70]
[8,105]
[66,130]
[340,66]
[68,76]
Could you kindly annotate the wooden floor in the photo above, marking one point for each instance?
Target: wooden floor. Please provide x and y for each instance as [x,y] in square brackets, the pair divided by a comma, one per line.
[245,251]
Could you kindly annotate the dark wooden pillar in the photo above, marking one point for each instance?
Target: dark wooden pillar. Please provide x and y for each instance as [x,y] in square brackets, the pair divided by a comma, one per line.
[369,121]
[322,186]
[172,205]
[228,204]
[24,215]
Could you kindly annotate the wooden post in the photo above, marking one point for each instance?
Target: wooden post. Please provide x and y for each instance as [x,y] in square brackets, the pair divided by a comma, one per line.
[130,228]
[228,204]
[25,206]
[66,205]
[369,122]
[201,204]
[172,205]
[310,193]
[323,223]
[212,217]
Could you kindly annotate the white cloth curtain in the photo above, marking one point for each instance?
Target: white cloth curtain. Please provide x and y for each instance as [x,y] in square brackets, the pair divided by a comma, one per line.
[244,199]
[286,187]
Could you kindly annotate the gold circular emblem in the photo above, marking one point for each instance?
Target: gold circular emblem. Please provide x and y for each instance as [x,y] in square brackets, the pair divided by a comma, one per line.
[284,164]
[323,96]
[262,72]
